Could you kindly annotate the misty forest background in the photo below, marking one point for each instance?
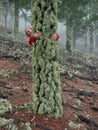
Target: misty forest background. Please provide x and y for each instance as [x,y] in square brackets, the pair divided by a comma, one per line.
[77,23]
[78,64]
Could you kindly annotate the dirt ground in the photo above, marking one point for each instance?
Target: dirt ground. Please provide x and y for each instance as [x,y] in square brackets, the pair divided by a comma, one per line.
[80,109]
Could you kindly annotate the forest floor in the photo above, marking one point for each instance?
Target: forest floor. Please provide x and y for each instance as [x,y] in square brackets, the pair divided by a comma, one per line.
[79,93]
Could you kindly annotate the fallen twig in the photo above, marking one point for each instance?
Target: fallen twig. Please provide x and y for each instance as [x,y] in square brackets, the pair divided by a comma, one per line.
[86,93]
[4,85]
[74,107]
[10,56]
[16,121]
[87,120]
[94,108]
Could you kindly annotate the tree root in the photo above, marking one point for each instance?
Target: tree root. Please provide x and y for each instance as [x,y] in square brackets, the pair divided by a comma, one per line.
[4,85]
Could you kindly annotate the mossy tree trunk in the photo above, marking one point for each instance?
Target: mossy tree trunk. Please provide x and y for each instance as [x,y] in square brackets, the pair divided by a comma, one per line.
[46,76]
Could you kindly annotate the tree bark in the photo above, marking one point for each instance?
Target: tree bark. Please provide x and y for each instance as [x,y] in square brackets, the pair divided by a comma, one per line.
[46,75]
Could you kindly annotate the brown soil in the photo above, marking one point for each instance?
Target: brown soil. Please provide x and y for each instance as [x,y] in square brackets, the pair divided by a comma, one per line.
[18,91]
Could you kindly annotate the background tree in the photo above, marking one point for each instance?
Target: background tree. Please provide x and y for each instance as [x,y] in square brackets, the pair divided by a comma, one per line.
[5,12]
[46,77]
[92,20]
[18,5]
[74,13]
[24,15]
[16,21]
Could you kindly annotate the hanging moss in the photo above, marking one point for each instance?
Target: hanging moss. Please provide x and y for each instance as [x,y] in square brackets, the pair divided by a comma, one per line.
[46,76]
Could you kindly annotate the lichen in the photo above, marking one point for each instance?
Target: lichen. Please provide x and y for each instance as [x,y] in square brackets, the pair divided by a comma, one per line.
[46,76]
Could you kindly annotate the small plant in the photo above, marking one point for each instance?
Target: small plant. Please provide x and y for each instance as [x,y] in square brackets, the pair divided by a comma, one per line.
[65,100]
[8,123]
[13,73]
[74,125]
[89,83]
[27,126]
[5,106]
[3,73]
[77,103]
[27,106]
[3,121]
[11,126]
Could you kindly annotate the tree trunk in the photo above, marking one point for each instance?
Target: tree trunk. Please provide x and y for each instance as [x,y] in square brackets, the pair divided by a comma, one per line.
[91,41]
[5,23]
[46,76]
[5,4]
[16,21]
[96,44]
[85,41]
[74,38]
[69,37]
